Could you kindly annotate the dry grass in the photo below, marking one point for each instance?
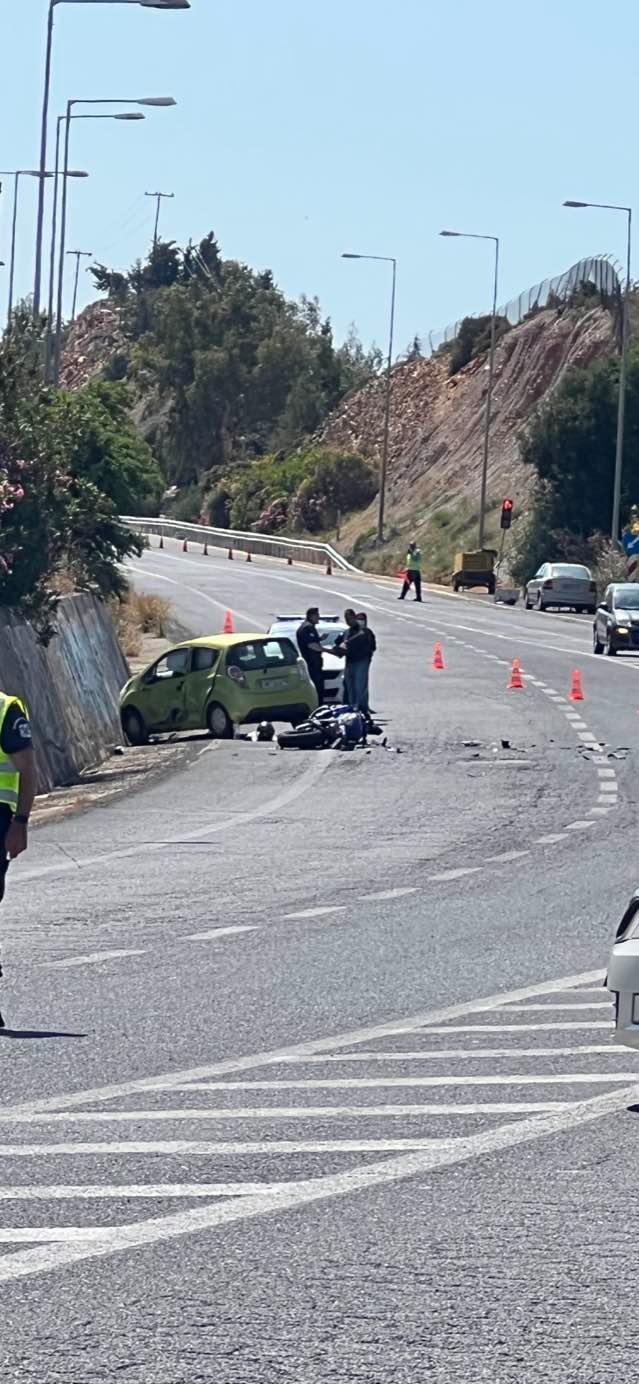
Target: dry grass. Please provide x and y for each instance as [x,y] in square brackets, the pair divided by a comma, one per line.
[138,614]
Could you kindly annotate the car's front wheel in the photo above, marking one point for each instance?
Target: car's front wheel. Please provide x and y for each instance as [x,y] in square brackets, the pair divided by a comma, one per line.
[218,722]
[134,726]
[609,648]
[597,646]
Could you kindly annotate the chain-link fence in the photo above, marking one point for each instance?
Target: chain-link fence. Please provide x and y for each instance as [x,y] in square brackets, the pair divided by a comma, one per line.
[599,271]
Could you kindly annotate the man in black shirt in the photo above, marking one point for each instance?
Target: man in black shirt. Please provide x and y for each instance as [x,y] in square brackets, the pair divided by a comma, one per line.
[357,647]
[310,647]
[17,784]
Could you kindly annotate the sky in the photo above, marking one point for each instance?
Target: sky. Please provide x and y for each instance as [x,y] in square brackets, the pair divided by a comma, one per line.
[308,127]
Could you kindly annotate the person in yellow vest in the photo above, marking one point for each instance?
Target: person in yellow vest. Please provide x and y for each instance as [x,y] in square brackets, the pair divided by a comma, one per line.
[413,574]
[17,783]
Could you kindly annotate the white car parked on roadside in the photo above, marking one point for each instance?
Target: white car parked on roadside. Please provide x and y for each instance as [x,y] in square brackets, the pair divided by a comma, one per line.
[328,629]
[564,585]
[623,976]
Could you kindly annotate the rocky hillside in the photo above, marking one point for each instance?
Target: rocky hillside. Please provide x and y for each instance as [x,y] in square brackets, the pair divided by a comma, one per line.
[437,422]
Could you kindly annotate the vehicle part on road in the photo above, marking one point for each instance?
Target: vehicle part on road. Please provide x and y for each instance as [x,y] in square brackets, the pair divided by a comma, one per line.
[265,731]
[227,627]
[576,690]
[305,737]
[134,727]
[516,683]
[438,657]
[219,723]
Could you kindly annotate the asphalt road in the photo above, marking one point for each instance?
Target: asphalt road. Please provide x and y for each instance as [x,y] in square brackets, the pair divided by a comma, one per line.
[310,1076]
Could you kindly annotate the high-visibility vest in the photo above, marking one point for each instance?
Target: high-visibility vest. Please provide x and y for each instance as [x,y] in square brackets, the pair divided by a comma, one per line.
[9,778]
[414,560]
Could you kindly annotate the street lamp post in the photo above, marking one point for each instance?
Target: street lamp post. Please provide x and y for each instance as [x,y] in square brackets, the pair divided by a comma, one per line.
[469,235]
[16,174]
[127,115]
[146,5]
[132,115]
[621,398]
[384,259]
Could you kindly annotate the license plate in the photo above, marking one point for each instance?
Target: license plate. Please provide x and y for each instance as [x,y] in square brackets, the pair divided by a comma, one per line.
[273,684]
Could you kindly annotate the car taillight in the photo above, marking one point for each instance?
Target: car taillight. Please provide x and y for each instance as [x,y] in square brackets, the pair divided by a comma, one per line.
[236,675]
[547,585]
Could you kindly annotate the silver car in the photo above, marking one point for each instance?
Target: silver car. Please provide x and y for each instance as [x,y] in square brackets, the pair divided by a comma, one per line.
[565,585]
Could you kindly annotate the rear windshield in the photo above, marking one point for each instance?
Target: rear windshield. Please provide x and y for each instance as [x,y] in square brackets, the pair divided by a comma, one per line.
[571,569]
[262,653]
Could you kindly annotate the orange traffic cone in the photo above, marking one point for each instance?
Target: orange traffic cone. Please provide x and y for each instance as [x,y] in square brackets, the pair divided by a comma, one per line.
[227,627]
[438,656]
[576,693]
[230,554]
[248,557]
[516,683]
[185,547]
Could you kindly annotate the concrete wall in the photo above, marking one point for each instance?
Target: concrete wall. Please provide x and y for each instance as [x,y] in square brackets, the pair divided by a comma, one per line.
[71,687]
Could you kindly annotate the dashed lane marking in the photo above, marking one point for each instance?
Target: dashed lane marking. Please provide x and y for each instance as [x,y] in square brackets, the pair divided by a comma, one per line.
[93,960]
[579,826]
[455,874]
[387,894]
[317,912]
[551,839]
[505,857]
[217,932]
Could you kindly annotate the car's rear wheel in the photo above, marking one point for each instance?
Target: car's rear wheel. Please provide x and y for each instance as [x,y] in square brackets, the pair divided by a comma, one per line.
[134,726]
[527,601]
[218,722]
[540,604]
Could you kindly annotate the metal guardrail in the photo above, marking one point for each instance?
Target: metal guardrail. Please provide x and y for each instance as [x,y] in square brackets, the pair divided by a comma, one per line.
[263,545]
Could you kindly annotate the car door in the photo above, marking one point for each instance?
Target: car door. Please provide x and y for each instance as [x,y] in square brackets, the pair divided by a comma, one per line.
[162,701]
[535,583]
[197,685]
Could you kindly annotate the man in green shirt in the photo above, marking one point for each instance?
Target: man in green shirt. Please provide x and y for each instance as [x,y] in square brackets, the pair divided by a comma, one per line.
[413,573]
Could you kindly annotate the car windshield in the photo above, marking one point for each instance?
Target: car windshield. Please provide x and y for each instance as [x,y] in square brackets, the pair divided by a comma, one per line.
[627,599]
[262,653]
[570,569]
[329,638]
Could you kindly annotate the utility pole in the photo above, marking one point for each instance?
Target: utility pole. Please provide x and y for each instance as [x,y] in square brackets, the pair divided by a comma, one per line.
[79,254]
[159,197]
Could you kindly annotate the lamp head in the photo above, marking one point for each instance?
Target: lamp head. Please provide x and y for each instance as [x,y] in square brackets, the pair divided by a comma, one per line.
[129,115]
[156,101]
[576,204]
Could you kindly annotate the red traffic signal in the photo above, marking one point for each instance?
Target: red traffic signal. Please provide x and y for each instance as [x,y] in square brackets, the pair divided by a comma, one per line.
[506,513]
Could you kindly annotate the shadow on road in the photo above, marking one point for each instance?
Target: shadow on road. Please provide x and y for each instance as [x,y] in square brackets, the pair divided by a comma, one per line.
[34,1033]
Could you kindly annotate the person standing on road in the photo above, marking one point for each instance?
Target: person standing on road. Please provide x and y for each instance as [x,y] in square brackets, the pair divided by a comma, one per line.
[413,573]
[310,647]
[17,784]
[357,648]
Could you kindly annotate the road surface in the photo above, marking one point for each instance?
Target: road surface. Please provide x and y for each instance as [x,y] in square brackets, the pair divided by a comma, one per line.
[309,1074]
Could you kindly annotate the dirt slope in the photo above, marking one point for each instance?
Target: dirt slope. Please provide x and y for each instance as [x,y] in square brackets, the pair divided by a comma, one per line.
[437,421]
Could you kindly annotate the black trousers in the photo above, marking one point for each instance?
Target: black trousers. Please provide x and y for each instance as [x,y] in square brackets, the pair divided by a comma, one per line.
[6,816]
[412,578]
[317,678]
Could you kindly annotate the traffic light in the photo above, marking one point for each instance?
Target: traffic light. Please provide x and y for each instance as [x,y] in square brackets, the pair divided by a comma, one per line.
[506,514]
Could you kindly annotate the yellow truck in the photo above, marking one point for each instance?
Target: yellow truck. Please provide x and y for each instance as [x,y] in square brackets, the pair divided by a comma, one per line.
[475,569]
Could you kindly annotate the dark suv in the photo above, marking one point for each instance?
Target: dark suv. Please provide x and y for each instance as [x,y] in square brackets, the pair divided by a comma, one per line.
[616,624]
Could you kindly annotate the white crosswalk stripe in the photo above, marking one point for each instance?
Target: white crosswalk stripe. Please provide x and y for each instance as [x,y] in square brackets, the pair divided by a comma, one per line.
[505,1072]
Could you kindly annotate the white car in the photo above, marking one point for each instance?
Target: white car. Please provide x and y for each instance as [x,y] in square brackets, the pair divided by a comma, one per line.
[623,976]
[563,585]
[329,629]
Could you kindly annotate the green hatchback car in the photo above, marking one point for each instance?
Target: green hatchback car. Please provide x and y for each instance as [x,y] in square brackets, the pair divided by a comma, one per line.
[217,683]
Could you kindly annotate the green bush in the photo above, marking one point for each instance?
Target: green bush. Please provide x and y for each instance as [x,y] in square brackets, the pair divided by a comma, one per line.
[473,339]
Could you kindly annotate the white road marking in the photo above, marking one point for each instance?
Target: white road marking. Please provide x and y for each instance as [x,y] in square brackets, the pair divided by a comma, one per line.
[388,894]
[435,1054]
[206,1147]
[607,787]
[317,912]
[551,839]
[579,725]
[588,737]
[217,932]
[548,1008]
[505,857]
[454,874]
[606,773]
[610,801]
[280,1112]
[142,1191]
[425,1022]
[579,826]
[93,960]
[362,1083]
[598,811]
[428,1156]
[518,1028]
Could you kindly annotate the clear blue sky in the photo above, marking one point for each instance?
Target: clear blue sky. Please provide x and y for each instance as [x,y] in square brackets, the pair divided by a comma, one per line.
[305,128]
